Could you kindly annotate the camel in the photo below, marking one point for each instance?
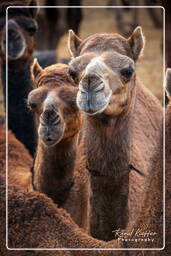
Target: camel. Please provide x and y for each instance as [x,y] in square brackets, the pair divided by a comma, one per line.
[21,32]
[59,166]
[59,20]
[123,118]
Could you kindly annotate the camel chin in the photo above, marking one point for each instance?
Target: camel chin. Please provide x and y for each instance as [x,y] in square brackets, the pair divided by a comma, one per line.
[50,143]
[93,103]
[50,136]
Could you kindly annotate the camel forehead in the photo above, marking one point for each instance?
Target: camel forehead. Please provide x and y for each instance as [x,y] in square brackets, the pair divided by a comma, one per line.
[105,42]
[50,99]
[100,62]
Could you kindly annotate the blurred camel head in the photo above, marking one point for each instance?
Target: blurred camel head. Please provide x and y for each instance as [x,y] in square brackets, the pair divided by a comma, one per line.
[103,66]
[21,28]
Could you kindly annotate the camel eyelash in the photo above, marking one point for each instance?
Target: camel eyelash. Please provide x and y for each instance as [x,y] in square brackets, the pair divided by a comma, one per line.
[31,106]
[73,74]
[126,74]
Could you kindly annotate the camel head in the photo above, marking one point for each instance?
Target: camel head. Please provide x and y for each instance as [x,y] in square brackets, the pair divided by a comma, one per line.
[103,66]
[54,102]
[168,82]
[21,28]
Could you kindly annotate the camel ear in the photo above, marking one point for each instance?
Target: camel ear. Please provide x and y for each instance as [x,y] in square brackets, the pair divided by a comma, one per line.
[73,43]
[137,42]
[35,69]
[168,82]
[34,11]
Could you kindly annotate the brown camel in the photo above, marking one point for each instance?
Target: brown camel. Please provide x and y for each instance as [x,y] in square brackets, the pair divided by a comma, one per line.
[54,22]
[123,118]
[59,169]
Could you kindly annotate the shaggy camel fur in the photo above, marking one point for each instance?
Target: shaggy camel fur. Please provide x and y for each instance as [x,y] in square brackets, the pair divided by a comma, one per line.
[21,32]
[151,218]
[19,162]
[34,221]
[59,169]
[123,118]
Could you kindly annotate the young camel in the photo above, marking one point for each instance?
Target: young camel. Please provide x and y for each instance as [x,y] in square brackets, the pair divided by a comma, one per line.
[59,168]
[123,118]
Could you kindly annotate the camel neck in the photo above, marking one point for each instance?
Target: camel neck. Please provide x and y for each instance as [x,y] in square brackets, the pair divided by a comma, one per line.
[109,155]
[112,144]
[20,120]
[19,73]
[54,169]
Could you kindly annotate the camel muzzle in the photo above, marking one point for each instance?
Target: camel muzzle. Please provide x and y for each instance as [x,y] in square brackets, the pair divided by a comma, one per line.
[51,127]
[16,42]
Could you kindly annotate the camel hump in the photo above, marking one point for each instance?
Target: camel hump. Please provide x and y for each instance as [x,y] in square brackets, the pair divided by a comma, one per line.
[168,82]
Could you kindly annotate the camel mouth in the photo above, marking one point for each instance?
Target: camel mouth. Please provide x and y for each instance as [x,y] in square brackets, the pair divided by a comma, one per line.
[49,142]
[94,102]
[50,135]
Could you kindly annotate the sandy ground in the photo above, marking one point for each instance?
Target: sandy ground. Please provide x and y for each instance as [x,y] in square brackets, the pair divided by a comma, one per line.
[149,67]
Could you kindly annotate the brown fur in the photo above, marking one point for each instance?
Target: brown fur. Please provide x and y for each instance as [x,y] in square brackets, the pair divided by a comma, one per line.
[56,167]
[34,221]
[19,162]
[152,211]
[122,135]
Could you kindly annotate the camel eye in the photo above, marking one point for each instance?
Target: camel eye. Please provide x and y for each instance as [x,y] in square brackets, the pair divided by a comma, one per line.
[72,73]
[126,74]
[31,105]
[32,28]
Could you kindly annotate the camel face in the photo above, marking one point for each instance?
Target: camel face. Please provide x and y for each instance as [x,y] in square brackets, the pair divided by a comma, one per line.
[54,104]
[104,69]
[21,33]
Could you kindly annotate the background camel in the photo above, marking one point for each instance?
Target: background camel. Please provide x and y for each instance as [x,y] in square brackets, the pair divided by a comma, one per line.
[59,169]
[21,31]
[124,119]
[55,22]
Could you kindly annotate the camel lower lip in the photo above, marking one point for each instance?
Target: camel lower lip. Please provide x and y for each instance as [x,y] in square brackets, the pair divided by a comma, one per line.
[49,143]
[93,107]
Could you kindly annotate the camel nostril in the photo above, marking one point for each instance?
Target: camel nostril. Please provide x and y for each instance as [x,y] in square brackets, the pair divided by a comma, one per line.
[50,117]
[91,83]
[56,121]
